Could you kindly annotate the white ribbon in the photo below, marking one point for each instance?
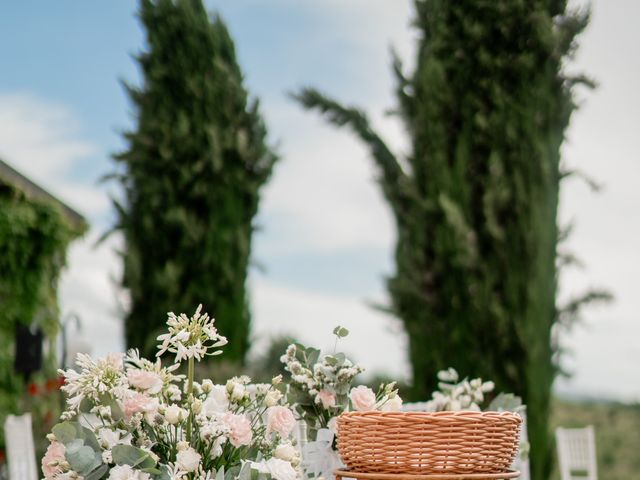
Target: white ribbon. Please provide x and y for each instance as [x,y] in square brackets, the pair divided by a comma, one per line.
[319,457]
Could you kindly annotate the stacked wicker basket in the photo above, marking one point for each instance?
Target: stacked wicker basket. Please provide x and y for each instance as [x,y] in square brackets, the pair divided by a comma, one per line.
[421,446]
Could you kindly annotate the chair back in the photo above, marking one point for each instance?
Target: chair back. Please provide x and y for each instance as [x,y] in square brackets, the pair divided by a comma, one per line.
[577,453]
[21,455]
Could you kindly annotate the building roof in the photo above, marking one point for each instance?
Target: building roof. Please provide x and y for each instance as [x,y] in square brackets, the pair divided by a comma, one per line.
[10,175]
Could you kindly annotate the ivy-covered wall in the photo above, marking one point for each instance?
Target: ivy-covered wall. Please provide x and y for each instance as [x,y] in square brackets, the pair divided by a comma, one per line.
[34,235]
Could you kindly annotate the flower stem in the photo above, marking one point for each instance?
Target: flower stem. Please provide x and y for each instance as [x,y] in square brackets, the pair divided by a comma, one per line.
[190,374]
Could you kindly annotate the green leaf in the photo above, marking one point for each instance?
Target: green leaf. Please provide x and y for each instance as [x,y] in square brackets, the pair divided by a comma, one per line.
[89,438]
[65,432]
[505,402]
[312,355]
[340,332]
[133,456]
[331,360]
[97,473]
[151,470]
[81,458]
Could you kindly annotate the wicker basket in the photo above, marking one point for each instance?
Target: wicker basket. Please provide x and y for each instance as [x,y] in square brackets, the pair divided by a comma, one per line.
[428,443]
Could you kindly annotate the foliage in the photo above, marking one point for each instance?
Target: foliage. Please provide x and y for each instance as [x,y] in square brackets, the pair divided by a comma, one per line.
[320,386]
[34,236]
[475,200]
[191,175]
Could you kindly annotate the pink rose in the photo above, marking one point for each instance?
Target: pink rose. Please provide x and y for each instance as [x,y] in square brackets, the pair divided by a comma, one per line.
[362,398]
[144,380]
[52,459]
[240,432]
[327,398]
[139,402]
[281,420]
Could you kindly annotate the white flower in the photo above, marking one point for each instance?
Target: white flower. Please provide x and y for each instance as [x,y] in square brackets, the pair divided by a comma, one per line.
[277,468]
[285,451]
[272,398]
[96,378]
[216,401]
[193,337]
[362,398]
[449,375]
[109,438]
[207,385]
[487,387]
[174,472]
[238,392]
[125,472]
[188,460]
[174,414]
[393,404]
[150,382]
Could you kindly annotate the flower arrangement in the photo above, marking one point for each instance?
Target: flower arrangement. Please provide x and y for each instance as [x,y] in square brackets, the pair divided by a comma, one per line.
[455,395]
[320,388]
[129,418]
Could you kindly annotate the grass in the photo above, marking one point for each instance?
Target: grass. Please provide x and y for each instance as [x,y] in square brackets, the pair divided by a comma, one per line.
[617,430]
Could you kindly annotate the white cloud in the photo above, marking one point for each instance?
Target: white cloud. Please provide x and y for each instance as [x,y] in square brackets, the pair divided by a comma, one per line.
[375,341]
[42,140]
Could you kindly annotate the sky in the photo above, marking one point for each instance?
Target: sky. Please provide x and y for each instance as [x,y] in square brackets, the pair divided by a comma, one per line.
[326,240]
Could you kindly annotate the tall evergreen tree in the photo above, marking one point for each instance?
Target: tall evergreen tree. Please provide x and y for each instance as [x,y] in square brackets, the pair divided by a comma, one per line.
[475,200]
[192,174]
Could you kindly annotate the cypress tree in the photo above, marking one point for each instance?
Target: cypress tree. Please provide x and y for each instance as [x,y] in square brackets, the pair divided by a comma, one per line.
[191,173]
[475,200]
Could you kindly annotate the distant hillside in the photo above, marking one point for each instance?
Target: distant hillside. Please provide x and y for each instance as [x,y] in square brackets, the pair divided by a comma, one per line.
[617,429]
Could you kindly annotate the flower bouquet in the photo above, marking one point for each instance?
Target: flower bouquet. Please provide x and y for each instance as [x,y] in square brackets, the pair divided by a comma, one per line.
[131,418]
[320,389]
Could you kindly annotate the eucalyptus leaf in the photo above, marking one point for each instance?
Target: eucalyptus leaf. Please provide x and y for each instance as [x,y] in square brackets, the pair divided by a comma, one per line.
[130,455]
[83,459]
[151,470]
[90,439]
[340,332]
[331,360]
[65,432]
[505,402]
[97,473]
[312,355]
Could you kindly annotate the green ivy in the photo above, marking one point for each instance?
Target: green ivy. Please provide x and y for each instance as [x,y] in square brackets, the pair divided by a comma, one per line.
[34,236]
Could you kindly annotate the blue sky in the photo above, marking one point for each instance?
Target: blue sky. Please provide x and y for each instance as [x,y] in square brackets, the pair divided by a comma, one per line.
[327,235]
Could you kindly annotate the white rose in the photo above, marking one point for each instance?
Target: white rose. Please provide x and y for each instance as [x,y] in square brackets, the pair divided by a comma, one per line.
[272,398]
[108,438]
[281,469]
[285,451]
[196,406]
[216,402]
[362,398]
[207,385]
[394,404]
[125,472]
[238,392]
[188,460]
[174,414]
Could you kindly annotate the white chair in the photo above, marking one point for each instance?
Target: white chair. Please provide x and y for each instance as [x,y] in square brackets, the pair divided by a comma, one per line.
[577,453]
[21,454]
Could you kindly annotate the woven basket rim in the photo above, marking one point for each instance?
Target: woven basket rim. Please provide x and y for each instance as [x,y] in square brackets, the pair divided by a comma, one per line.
[472,415]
